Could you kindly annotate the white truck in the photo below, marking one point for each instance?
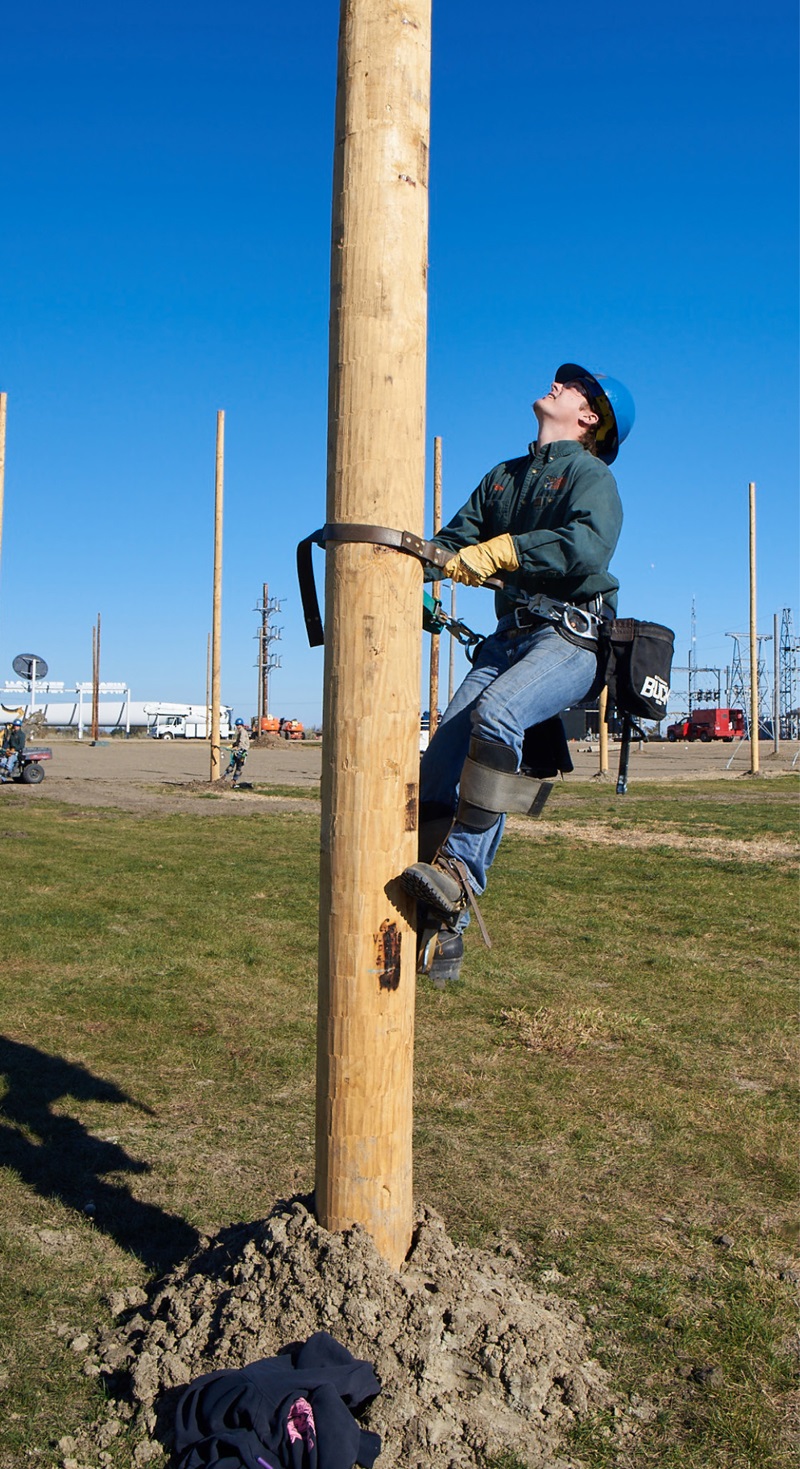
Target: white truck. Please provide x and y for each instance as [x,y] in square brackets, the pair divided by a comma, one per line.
[185,721]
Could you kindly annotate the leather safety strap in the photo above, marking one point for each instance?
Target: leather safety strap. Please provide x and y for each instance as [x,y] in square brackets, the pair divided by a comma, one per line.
[460,870]
[485,794]
[372,535]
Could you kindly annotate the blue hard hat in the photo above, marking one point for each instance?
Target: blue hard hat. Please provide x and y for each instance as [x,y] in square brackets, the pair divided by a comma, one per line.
[613,403]
[238,721]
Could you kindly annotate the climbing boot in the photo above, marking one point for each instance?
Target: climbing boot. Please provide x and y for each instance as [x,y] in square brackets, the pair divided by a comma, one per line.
[441,885]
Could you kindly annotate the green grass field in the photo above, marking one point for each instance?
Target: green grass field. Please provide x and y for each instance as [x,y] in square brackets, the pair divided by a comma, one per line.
[613,1085]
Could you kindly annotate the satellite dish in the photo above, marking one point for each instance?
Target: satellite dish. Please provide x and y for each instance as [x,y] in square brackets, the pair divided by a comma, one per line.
[24,665]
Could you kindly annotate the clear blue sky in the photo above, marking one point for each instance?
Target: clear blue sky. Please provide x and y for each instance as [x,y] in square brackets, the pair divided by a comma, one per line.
[614,185]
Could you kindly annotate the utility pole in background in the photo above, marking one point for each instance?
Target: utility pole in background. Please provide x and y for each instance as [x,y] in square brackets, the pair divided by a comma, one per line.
[692,654]
[373,654]
[216,619]
[754,649]
[602,708]
[267,661]
[96,681]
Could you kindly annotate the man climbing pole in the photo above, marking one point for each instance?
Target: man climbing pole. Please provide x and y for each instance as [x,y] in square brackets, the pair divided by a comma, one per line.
[239,751]
[546,525]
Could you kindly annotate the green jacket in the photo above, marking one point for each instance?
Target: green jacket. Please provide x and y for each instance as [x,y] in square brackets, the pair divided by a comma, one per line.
[562,507]
[13,739]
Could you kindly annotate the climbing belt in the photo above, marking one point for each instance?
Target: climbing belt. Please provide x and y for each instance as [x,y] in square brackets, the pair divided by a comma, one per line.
[373,535]
[434,618]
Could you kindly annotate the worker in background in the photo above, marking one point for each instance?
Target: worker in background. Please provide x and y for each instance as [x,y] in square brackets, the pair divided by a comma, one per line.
[546,526]
[11,749]
[239,751]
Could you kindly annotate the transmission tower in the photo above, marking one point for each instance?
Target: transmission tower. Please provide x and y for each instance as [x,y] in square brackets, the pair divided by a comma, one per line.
[789,714]
[739,695]
[267,660]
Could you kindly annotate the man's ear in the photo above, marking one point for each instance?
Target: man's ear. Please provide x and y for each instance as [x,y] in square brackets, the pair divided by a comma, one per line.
[587,416]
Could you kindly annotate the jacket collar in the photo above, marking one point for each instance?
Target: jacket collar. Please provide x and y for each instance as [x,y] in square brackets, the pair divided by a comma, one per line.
[557,450]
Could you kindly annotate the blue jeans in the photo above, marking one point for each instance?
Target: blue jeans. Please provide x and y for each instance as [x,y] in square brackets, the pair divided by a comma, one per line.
[514,682]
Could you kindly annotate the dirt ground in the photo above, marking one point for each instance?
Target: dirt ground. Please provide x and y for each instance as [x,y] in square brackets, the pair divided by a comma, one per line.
[153,776]
[147,775]
[473,1361]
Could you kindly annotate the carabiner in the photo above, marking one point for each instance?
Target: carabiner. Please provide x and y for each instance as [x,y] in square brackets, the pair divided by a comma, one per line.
[572,615]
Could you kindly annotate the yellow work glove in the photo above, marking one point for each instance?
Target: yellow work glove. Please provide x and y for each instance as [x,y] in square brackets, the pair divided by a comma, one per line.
[475,564]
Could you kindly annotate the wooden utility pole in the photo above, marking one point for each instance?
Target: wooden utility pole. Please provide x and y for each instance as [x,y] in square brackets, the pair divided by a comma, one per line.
[216,619]
[754,750]
[370,767]
[96,680]
[436,589]
[603,730]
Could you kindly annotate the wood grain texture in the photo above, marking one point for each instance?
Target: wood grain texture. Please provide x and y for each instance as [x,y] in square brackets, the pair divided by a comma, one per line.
[370,768]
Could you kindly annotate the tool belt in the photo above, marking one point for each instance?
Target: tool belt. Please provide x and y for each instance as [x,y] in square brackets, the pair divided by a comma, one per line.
[580,624]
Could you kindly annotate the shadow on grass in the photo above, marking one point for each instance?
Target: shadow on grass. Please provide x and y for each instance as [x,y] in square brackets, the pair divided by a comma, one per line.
[55,1155]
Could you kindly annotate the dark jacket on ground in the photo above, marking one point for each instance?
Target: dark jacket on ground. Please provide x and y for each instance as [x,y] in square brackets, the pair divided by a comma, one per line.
[260,1414]
[562,507]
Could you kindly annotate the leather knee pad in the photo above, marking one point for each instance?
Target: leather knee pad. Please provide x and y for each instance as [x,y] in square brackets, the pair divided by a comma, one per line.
[491,786]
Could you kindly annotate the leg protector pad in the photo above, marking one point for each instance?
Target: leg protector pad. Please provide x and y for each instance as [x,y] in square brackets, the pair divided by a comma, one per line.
[491,786]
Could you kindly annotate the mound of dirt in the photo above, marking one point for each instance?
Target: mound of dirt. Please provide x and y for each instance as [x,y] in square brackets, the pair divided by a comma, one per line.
[474,1363]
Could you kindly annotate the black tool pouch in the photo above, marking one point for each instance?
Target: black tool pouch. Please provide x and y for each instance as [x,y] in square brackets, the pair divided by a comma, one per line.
[638,666]
[637,659]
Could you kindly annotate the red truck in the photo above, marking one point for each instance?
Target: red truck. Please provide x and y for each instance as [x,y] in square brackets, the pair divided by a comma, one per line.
[707,725]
